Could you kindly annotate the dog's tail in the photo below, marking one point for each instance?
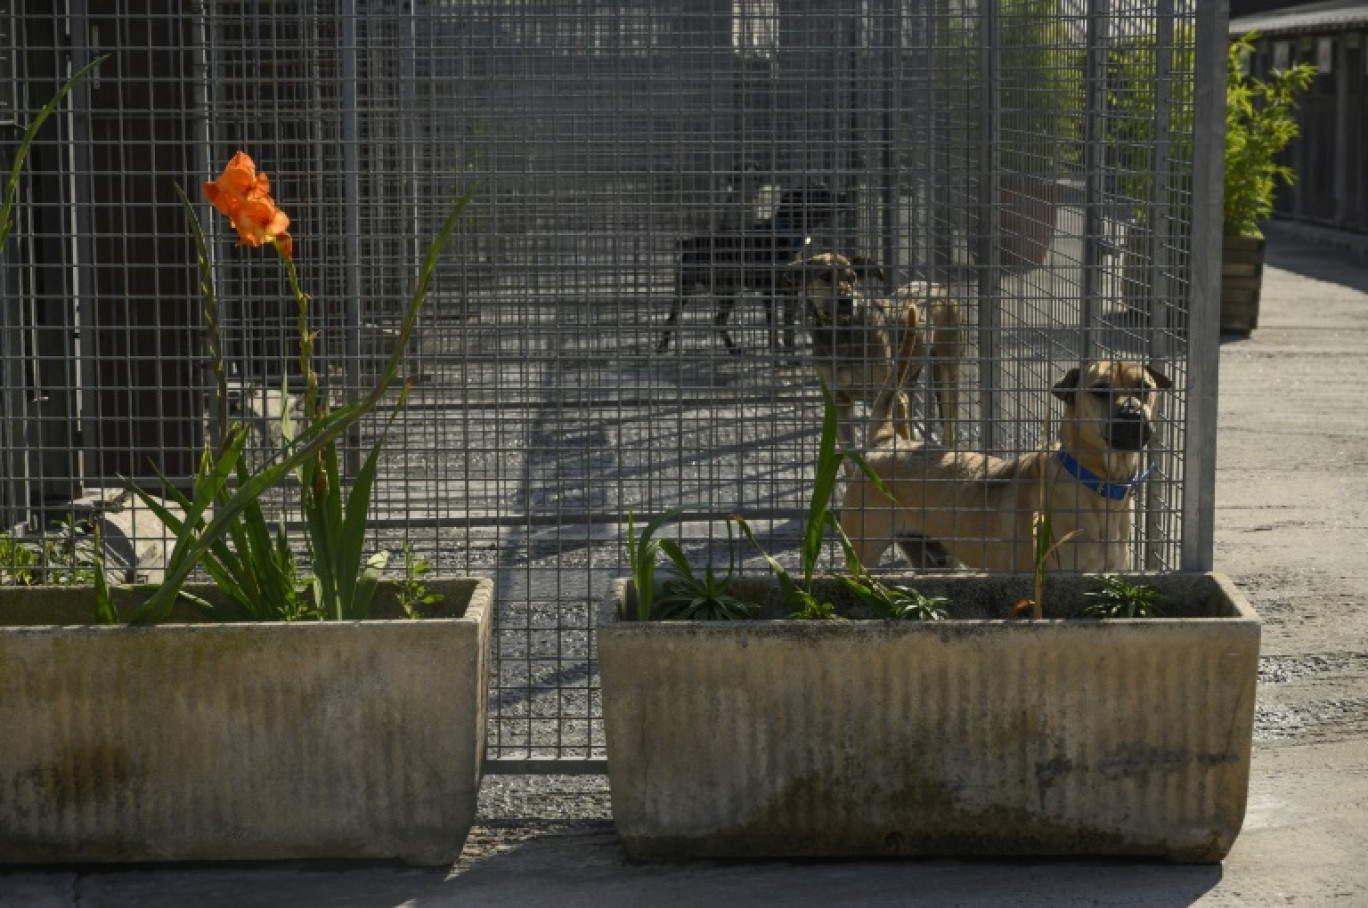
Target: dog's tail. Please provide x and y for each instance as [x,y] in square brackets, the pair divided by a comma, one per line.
[947,350]
[941,341]
[889,416]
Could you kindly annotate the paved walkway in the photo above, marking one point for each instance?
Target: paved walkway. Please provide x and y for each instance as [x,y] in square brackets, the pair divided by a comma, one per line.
[1290,528]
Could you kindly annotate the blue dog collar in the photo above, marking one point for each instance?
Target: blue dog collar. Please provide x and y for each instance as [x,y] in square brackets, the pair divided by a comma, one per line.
[1111,490]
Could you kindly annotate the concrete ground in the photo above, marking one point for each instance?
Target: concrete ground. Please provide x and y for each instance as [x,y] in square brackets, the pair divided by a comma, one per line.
[1290,527]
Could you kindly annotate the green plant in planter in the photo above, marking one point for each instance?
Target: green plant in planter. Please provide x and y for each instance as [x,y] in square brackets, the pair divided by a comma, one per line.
[894,602]
[18,561]
[256,567]
[820,517]
[221,526]
[1037,96]
[691,597]
[63,556]
[641,558]
[1117,598]
[1260,121]
[685,594]
[104,602]
[1045,546]
[707,596]
[412,589]
[908,604]
[1040,90]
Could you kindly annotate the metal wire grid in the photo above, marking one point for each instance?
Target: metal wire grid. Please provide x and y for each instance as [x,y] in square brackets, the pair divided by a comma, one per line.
[1005,149]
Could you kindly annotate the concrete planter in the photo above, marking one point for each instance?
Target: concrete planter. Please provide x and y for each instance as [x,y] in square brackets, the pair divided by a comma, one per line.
[963,737]
[200,741]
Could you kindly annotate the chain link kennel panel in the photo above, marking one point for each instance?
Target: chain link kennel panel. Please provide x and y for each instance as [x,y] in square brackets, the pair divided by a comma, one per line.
[613,330]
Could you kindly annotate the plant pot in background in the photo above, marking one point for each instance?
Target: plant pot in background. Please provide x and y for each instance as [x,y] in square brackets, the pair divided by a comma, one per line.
[966,737]
[200,741]
[1242,261]
[1027,221]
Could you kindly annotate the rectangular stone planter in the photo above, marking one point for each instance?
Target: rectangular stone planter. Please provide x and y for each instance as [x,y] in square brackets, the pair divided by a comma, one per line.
[205,741]
[973,736]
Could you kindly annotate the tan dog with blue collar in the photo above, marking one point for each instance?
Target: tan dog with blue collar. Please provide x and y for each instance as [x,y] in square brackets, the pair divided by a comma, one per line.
[955,507]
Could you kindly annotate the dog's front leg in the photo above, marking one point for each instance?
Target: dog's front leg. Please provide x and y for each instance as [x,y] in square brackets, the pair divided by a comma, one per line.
[790,306]
[947,349]
[676,309]
[845,434]
[721,317]
[945,378]
[781,337]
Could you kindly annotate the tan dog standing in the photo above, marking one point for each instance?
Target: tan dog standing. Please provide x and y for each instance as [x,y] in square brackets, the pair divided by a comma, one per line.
[976,510]
[869,350]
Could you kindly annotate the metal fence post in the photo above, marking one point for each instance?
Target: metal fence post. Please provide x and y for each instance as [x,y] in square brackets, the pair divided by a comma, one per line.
[351,220]
[989,192]
[1199,441]
[1094,134]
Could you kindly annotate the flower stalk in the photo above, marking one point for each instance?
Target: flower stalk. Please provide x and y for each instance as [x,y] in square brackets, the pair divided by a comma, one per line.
[222,526]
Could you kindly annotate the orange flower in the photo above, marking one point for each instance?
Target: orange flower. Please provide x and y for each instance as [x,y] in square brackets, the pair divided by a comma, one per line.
[245,197]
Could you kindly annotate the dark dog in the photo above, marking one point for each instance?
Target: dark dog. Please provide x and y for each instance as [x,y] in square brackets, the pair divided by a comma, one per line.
[870,349]
[728,263]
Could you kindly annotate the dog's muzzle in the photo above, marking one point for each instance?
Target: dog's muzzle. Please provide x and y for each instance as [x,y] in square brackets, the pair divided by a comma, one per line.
[837,311]
[1129,429]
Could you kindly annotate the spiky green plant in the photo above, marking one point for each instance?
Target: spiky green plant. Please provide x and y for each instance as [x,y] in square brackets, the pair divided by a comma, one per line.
[690,596]
[641,557]
[708,595]
[343,582]
[414,597]
[1118,598]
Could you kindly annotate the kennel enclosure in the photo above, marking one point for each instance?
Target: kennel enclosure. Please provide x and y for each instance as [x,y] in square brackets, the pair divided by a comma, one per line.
[1054,163]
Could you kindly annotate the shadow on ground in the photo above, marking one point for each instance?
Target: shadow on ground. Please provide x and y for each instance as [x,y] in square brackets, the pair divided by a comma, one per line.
[584,865]
[1305,258]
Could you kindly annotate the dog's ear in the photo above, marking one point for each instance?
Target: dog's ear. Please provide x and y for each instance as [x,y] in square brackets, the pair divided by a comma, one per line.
[1161,381]
[1064,389]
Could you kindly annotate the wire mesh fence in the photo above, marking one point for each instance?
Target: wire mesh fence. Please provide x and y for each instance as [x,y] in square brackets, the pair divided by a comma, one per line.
[614,328]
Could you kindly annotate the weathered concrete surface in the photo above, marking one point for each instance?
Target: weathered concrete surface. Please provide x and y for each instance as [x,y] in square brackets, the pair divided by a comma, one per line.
[1290,525]
[777,738]
[216,741]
